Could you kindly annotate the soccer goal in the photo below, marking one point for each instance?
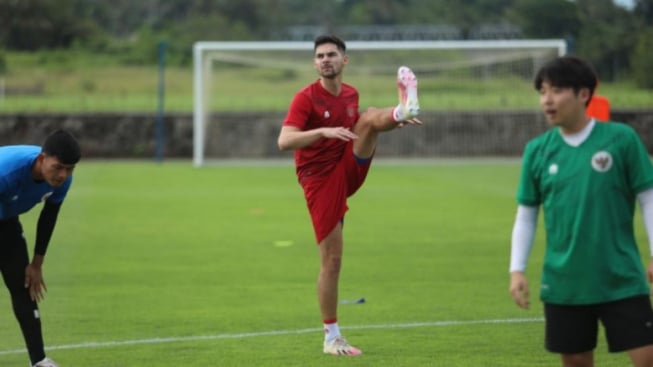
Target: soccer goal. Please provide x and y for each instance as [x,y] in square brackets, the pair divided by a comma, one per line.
[254,79]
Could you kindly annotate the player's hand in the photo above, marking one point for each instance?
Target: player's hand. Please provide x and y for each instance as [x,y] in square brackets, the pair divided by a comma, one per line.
[34,282]
[339,133]
[519,289]
[413,121]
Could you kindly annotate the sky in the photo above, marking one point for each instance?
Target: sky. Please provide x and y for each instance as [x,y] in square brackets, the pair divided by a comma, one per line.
[628,4]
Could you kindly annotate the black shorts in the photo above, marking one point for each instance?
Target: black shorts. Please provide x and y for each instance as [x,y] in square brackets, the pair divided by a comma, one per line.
[571,329]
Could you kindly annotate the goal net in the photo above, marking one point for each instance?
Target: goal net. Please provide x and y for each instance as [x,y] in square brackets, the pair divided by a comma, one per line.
[243,89]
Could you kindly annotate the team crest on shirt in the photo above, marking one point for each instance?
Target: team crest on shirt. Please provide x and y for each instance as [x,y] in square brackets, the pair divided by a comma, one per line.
[553,169]
[326,114]
[602,161]
[46,196]
[351,112]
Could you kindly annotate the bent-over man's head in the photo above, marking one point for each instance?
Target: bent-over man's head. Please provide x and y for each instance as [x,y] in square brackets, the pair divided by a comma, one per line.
[59,154]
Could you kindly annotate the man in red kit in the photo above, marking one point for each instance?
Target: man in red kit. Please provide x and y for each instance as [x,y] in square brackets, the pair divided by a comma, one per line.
[334,145]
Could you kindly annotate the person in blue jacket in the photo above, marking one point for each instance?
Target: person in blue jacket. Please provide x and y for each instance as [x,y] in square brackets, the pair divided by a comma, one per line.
[29,175]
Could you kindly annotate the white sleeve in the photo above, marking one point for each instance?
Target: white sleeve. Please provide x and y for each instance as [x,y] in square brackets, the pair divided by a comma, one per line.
[645,199]
[523,234]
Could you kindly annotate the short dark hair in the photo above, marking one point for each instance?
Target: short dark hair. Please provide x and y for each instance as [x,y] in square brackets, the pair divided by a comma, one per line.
[330,38]
[568,72]
[63,145]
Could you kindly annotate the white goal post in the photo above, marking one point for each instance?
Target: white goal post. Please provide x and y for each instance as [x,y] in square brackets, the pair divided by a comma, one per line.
[206,52]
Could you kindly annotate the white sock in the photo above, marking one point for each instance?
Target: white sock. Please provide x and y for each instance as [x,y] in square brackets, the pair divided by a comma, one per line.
[398,114]
[331,331]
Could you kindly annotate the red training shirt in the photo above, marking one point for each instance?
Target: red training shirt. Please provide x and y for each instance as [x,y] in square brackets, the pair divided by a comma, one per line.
[314,107]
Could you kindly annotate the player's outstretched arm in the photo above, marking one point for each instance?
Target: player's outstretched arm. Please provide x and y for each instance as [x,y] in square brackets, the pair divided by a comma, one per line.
[291,137]
[413,121]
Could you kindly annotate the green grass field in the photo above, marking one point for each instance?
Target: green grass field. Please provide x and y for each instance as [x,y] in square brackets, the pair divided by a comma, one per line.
[169,265]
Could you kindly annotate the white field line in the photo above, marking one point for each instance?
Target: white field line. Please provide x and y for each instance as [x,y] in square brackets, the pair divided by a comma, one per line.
[179,339]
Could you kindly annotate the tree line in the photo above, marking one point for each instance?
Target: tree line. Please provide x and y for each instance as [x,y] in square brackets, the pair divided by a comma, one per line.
[616,40]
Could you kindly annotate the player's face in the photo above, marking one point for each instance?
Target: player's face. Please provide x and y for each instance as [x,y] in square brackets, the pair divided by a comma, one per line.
[329,61]
[563,107]
[53,171]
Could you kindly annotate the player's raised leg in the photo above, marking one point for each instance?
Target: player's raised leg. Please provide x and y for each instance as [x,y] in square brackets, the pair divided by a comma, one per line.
[376,120]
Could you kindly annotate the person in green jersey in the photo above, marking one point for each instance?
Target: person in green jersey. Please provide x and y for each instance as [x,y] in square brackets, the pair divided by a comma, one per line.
[587,177]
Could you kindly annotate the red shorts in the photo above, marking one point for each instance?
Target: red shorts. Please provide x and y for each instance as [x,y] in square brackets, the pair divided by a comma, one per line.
[326,196]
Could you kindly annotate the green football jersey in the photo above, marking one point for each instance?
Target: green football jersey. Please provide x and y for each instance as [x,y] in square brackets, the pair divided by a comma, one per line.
[588,194]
